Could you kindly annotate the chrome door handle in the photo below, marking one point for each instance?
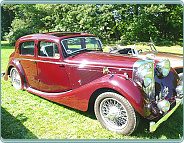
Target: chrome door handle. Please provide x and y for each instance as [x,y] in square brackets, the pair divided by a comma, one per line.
[62,66]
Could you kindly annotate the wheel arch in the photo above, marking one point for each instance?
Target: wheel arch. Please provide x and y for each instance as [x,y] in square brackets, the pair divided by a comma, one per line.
[126,88]
[96,93]
[9,69]
[16,64]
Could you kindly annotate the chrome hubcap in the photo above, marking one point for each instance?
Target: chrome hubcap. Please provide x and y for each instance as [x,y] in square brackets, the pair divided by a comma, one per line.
[16,80]
[113,113]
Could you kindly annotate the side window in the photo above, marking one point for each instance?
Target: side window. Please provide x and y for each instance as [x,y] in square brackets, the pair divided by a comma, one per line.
[48,49]
[27,48]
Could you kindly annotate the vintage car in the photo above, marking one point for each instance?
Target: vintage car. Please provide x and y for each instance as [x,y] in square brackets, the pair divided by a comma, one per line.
[71,69]
[148,50]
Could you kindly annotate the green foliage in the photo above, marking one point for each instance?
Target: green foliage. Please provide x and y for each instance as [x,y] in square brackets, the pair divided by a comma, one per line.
[18,24]
[14,36]
[154,22]
[7,16]
[19,28]
[163,23]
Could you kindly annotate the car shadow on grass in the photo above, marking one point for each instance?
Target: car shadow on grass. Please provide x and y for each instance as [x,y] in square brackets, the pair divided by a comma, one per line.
[13,128]
[89,113]
[172,128]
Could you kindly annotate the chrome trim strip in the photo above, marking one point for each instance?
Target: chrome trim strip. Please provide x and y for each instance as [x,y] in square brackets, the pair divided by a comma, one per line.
[92,64]
[46,93]
[141,62]
[59,63]
[121,68]
[43,38]
[72,64]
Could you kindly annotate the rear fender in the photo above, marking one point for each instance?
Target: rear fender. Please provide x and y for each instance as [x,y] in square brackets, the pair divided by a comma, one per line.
[14,63]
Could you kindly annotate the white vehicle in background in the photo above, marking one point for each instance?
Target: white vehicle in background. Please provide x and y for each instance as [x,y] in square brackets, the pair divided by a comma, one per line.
[149,51]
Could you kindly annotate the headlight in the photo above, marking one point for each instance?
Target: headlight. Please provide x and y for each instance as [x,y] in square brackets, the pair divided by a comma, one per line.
[163,68]
[164,106]
[179,91]
[143,74]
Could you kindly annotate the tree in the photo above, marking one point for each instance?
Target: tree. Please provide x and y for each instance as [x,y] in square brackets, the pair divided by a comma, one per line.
[7,16]
[110,22]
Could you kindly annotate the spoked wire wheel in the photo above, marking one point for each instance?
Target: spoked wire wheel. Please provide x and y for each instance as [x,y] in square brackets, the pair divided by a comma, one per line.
[115,113]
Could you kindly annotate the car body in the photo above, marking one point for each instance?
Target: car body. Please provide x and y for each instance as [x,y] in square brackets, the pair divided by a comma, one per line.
[70,68]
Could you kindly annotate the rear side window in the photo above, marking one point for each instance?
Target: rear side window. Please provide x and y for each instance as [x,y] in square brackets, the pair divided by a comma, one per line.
[27,48]
[48,49]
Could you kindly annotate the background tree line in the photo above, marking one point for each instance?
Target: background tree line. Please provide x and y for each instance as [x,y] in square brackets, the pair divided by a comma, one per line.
[120,23]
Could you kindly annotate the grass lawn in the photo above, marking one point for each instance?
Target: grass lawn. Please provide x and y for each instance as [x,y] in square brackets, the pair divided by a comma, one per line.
[28,116]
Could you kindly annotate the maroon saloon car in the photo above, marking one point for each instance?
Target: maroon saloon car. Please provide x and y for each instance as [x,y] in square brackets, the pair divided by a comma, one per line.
[72,69]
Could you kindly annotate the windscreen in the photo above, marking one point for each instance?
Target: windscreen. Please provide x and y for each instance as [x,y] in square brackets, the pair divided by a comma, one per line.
[72,45]
[145,47]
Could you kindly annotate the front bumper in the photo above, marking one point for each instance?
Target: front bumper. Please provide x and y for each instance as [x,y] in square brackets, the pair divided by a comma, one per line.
[154,126]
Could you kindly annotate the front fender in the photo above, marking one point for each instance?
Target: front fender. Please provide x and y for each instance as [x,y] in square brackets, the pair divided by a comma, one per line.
[79,97]
[130,90]
[16,64]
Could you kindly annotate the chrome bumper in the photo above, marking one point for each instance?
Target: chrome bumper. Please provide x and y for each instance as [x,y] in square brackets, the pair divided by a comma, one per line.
[154,126]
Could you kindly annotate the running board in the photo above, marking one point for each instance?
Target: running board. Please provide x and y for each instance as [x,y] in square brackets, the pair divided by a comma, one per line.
[46,93]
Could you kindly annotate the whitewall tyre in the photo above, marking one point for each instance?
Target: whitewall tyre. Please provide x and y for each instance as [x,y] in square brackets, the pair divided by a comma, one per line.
[116,113]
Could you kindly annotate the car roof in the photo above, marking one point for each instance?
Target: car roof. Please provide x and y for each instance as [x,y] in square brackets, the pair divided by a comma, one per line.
[55,35]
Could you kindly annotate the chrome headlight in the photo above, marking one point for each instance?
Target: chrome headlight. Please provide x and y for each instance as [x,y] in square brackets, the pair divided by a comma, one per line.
[163,68]
[164,106]
[179,91]
[143,74]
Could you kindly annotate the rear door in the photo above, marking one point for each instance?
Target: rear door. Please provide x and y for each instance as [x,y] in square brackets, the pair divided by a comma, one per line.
[27,57]
[52,74]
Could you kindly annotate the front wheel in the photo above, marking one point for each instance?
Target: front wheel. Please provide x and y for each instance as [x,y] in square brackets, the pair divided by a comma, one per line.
[15,79]
[116,113]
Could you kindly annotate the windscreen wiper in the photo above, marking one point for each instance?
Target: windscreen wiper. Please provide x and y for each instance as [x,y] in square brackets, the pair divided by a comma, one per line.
[75,53]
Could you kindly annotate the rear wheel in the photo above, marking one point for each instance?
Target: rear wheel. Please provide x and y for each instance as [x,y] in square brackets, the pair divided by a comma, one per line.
[115,113]
[15,79]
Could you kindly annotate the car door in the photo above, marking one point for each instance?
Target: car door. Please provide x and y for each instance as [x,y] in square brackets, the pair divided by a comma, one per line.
[27,58]
[52,74]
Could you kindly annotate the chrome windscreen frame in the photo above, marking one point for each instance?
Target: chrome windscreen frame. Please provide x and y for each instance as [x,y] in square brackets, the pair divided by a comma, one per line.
[152,46]
[102,47]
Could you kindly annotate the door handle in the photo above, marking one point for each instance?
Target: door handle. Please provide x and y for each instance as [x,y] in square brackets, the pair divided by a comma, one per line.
[62,66]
